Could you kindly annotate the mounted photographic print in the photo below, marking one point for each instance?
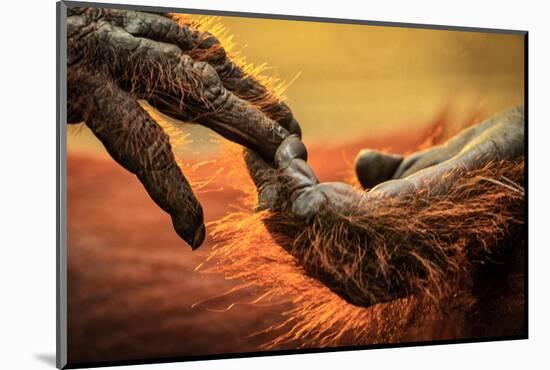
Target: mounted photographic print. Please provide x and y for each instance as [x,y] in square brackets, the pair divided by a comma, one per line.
[235,185]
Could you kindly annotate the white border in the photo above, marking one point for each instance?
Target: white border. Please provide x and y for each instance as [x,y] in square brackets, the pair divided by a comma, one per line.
[28,181]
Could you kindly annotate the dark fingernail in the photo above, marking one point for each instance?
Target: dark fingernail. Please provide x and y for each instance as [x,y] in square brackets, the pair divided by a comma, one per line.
[199,237]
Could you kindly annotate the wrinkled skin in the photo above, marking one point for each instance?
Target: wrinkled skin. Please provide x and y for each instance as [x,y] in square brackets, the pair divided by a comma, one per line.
[387,175]
[117,57]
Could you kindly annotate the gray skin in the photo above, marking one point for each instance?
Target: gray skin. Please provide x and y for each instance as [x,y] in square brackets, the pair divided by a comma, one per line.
[117,57]
[432,171]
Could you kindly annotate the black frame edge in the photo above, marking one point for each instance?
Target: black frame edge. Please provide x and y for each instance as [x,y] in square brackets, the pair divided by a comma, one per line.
[61,191]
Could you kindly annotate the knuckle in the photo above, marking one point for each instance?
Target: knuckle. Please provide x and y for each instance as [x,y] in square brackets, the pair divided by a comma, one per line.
[208,74]
[291,148]
[213,89]
[309,203]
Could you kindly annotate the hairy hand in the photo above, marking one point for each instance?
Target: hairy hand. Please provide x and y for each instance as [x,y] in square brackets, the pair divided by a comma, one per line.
[426,217]
[117,57]
[292,186]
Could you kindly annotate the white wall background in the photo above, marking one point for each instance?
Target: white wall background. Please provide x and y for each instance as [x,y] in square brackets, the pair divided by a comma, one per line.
[27,182]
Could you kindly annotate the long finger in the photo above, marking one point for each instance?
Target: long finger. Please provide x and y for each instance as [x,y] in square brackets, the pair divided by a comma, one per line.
[137,143]
[462,141]
[203,46]
[373,167]
[496,139]
[175,84]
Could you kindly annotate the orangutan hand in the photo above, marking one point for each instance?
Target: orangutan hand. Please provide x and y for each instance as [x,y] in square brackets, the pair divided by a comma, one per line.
[293,187]
[417,231]
[117,57]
